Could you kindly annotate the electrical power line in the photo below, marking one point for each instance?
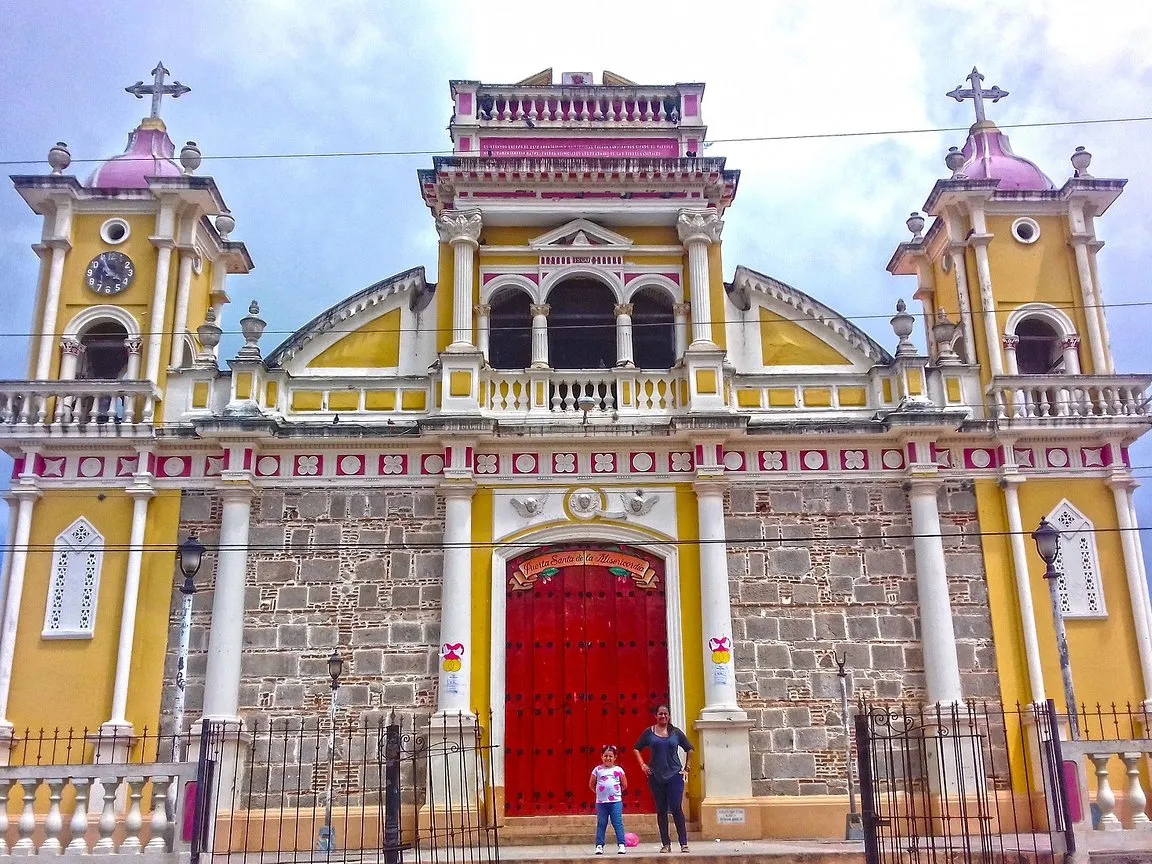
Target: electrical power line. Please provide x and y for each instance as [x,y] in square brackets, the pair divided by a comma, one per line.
[803,136]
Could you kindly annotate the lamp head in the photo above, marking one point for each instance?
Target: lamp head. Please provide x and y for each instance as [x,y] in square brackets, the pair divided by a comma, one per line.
[335,667]
[190,554]
[1047,537]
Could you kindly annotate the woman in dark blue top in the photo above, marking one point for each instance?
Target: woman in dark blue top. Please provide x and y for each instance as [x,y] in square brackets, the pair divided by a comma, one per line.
[666,776]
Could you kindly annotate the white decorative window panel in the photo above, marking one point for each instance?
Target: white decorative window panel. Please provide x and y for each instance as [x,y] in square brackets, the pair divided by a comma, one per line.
[1081,592]
[75,584]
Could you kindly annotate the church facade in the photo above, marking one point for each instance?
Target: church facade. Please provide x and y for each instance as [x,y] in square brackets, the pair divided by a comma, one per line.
[575,473]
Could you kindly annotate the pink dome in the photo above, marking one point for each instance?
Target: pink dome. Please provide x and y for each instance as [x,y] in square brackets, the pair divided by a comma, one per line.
[148,154]
[989,156]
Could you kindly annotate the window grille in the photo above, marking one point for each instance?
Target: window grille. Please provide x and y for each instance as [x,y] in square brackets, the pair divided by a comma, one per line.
[75,584]
[1079,587]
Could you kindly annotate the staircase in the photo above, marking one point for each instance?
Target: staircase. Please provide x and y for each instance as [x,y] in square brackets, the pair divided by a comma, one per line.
[580,830]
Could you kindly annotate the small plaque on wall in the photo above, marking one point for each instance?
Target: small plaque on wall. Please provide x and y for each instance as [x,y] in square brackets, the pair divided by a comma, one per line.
[729,815]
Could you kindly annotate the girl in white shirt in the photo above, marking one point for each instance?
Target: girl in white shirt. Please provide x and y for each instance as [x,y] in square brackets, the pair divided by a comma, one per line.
[609,782]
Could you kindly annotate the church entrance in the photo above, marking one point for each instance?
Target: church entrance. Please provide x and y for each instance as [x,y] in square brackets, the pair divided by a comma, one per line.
[586,665]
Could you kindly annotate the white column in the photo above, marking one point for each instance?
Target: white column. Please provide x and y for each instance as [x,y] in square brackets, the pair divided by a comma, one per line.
[141,496]
[1082,236]
[135,345]
[624,352]
[698,229]
[1132,569]
[1070,346]
[226,639]
[1023,587]
[937,636]
[51,309]
[461,229]
[71,351]
[680,328]
[1011,342]
[183,289]
[455,661]
[27,499]
[960,269]
[715,603]
[980,241]
[540,335]
[483,327]
[1138,544]
[159,304]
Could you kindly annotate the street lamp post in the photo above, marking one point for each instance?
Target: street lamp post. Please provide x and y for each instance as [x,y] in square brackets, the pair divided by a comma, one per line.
[335,667]
[853,826]
[190,554]
[1047,537]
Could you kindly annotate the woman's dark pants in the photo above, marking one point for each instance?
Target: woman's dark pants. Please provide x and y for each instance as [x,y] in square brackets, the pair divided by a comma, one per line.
[669,796]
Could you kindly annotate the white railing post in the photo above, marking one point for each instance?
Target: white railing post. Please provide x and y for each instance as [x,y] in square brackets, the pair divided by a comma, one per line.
[1137,799]
[53,822]
[107,823]
[79,822]
[1105,797]
[134,820]
[158,825]
[27,822]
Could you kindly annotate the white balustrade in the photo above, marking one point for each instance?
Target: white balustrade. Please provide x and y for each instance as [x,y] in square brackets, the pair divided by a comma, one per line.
[543,106]
[627,392]
[1116,824]
[80,405]
[43,833]
[1038,397]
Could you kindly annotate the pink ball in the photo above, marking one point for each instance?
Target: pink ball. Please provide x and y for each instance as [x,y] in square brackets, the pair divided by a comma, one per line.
[631,840]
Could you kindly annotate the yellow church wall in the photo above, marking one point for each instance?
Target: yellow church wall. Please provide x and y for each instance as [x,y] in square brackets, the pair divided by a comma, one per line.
[445,286]
[372,346]
[482,528]
[783,343]
[1104,658]
[82,670]
[688,527]
[716,294]
[199,299]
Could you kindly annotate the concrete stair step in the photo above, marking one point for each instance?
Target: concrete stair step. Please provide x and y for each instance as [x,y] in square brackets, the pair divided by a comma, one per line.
[579,830]
[701,852]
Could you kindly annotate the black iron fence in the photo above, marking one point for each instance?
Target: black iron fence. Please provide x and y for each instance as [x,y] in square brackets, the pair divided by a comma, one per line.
[295,788]
[962,782]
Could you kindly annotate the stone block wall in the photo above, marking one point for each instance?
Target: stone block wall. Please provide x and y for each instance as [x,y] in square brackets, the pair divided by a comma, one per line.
[357,569]
[825,569]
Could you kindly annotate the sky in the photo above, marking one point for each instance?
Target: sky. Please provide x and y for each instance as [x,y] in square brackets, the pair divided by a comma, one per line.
[824,214]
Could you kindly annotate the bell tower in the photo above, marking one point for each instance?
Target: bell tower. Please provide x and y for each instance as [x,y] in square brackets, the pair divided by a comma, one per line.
[133,259]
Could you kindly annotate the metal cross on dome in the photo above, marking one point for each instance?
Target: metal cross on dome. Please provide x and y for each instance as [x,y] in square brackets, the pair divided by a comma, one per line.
[158,89]
[977,94]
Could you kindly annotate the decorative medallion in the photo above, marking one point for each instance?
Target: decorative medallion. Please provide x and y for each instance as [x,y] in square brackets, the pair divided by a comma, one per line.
[813,460]
[854,460]
[603,463]
[350,465]
[267,466]
[392,464]
[734,460]
[308,466]
[563,463]
[90,466]
[487,463]
[525,463]
[773,460]
[175,466]
[126,465]
[892,459]
[1057,457]
[1094,457]
[432,463]
[642,463]
[679,462]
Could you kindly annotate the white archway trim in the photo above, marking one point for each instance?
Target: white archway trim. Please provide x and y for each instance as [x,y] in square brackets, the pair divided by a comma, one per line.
[610,278]
[596,532]
[1056,318]
[509,280]
[98,314]
[674,292]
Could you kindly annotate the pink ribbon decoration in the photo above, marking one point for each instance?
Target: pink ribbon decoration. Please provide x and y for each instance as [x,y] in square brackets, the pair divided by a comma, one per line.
[452,652]
[720,644]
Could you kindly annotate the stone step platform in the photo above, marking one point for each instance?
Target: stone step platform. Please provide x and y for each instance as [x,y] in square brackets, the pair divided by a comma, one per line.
[700,851]
[580,830]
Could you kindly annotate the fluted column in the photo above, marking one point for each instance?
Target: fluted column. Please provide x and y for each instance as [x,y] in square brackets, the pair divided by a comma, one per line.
[51,308]
[461,230]
[937,635]
[980,240]
[698,229]
[159,301]
[183,290]
[680,327]
[960,270]
[141,496]
[715,602]
[483,314]
[226,638]
[26,500]
[624,351]
[540,335]
[455,661]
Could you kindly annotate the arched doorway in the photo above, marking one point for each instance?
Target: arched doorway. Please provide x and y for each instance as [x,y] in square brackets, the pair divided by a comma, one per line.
[586,661]
[510,330]
[582,325]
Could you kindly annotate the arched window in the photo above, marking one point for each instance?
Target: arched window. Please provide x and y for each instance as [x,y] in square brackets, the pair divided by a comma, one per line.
[582,325]
[1081,593]
[510,331]
[75,584]
[105,352]
[653,331]
[1039,351]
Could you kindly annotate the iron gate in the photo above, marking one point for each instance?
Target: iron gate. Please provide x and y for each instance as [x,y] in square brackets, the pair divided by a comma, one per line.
[937,783]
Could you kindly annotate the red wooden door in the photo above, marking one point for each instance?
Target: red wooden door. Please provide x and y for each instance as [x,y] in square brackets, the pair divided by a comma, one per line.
[586,664]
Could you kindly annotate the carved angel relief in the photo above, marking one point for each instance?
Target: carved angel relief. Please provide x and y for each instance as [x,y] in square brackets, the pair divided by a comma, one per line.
[530,507]
[589,504]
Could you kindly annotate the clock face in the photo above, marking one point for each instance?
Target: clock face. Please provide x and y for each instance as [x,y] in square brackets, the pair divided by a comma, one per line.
[110,273]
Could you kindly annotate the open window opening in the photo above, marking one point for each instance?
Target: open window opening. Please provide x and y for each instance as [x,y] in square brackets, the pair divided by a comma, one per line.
[105,351]
[510,331]
[1039,351]
[653,330]
[582,325]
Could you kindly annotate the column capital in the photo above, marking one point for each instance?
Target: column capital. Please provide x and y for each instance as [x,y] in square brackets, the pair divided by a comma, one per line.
[139,491]
[681,310]
[73,347]
[920,484]
[457,490]
[482,310]
[23,492]
[459,226]
[709,484]
[237,490]
[1010,341]
[699,226]
[540,309]
[1070,342]
[623,309]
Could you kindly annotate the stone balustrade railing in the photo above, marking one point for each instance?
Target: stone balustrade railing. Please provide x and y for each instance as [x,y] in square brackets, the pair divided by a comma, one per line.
[553,393]
[1041,397]
[122,809]
[1116,821]
[77,405]
[579,105]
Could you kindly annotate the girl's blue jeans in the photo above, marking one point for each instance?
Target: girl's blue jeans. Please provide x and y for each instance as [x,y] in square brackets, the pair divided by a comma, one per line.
[613,810]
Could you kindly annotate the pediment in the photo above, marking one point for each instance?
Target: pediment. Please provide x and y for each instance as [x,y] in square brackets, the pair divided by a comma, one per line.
[580,233]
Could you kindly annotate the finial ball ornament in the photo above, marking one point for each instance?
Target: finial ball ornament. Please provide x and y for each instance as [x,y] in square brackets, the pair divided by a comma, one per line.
[954,160]
[59,157]
[225,224]
[1081,159]
[915,223]
[190,157]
